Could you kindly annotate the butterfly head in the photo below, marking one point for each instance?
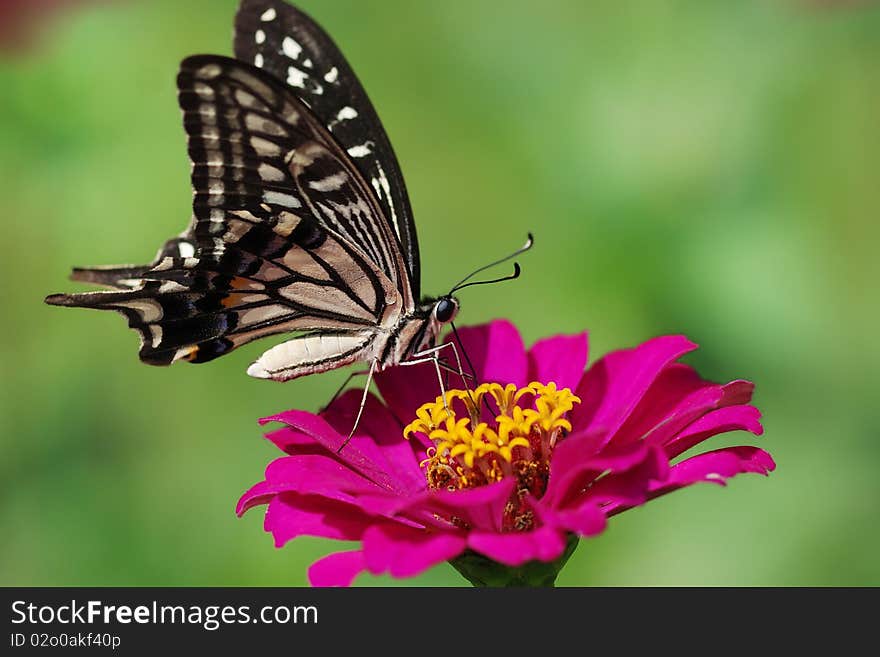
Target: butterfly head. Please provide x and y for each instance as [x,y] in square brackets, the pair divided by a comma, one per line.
[445,309]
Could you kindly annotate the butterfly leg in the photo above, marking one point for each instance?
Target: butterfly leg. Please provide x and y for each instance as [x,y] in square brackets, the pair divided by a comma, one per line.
[448,369]
[438,349]
[360,412]
[429,356]
[343,386]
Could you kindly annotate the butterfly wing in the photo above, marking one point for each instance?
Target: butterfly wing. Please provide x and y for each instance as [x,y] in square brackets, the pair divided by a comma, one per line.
[127,277]
[287,43]
[280,231]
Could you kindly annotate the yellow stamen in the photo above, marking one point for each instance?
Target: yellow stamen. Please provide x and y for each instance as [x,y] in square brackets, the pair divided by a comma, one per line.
[469,452]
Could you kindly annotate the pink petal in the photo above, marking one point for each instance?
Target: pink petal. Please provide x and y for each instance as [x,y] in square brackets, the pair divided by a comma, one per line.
[293,442]
[260,493]
[586,519]
[306,473]
[315,474]
[412,510]
[320,430]
[379,436]
[731,418]
[667,409]
[613,387]
[737,393]
[497,352]
[481,507]
[675,383]
[570,464]
[715,467]
[290,515]
[630,486]
[405,551]
[560,359]
[720,465]
[405,389]
[577,462]
[338,569]
[545,543]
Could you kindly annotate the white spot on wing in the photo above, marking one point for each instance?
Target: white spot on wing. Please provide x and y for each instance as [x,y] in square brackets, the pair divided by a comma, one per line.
[383,183]
[186,250]
[291,48]
[361,150]
[170,286]
[265,147]
[268,15]
[258,60]
[269,173]
[149,310]
[286,223]
[246,99]
[347,113]
[260,36]
[277,198]
[332,75]
[295,77]
[307,63]
[209,71]
[203,91]
[330,183]
[156,332]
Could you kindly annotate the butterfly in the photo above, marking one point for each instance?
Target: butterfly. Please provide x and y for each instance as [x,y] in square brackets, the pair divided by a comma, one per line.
[301,221]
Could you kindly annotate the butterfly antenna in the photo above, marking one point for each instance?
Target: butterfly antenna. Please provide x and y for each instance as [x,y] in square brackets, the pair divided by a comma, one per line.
[525,247]
[514,275]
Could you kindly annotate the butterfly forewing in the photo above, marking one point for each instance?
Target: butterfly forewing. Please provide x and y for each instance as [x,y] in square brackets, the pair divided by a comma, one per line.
[285,42]
[253,145]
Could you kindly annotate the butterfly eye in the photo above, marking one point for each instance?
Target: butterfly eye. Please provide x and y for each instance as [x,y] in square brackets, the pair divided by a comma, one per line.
[445,310]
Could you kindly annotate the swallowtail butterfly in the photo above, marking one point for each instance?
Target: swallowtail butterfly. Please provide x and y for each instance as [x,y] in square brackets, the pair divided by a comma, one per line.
[301,221]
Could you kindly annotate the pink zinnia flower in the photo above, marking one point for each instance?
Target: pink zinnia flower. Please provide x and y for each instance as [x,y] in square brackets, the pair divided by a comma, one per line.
[503,479]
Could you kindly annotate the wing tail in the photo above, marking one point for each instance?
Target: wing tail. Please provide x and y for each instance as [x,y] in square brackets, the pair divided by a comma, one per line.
[129,277]
[171,325]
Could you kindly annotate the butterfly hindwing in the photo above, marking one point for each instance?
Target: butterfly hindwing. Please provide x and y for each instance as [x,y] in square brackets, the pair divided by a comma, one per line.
[128,277]
[285,42]
[202,307]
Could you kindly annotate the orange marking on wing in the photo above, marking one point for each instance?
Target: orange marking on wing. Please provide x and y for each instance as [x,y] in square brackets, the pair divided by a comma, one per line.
[239,285]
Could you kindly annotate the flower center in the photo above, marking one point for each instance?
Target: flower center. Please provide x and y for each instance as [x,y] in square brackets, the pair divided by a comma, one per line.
[472,449]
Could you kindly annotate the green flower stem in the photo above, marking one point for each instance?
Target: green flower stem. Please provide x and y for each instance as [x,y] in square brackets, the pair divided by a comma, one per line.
[482,571]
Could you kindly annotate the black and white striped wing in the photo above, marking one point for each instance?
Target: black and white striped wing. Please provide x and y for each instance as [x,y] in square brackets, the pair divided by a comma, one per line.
[283,235]
[128,277]
[287,43]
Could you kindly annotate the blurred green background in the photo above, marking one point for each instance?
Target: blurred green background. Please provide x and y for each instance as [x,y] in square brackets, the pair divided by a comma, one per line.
[701,167]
